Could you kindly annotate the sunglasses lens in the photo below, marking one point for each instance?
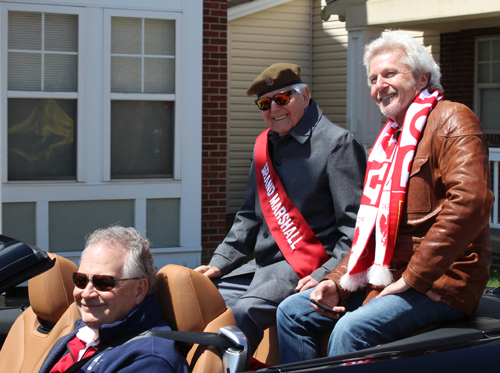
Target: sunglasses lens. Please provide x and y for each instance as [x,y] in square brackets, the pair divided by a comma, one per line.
[103,282]
[282,99]
[264,103]
[80,280]
[100,282]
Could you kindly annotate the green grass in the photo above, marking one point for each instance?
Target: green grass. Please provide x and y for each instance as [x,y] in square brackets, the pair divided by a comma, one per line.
[494,276]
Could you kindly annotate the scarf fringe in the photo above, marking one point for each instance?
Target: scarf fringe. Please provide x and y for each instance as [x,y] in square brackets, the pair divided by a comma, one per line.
[376,275]
[353,282]
[379,275]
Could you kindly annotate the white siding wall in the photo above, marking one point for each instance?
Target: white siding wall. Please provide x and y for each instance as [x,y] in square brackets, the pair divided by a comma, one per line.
[292,32]
[278,34]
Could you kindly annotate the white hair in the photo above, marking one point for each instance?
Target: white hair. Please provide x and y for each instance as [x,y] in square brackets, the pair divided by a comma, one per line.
[139,260]
[416,56]
[299,87]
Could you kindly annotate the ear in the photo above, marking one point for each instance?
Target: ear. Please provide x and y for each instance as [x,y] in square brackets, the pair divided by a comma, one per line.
[306,96]
[141,290]
[423,81]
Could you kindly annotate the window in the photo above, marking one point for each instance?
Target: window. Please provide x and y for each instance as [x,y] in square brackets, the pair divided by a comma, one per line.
[142,97]
[42,95]
[94,129]
[488,83]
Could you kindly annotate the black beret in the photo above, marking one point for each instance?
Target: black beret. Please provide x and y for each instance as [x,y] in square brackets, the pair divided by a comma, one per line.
[274,77]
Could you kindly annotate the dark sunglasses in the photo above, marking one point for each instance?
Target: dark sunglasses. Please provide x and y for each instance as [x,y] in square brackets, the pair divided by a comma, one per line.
[100,282]
[282,99]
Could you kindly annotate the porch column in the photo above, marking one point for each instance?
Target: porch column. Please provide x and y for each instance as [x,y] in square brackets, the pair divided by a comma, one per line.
[363,116]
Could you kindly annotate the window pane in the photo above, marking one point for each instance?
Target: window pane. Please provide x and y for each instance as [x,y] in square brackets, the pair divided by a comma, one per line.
[61,73]
[71,222]
[495,72]
[162,221]
[159,75]
[490,109]
[18,221]
[25,30]
[41,139]
[483,73]
[126,35]
[142,139]
[61,32]
[60,35]
[496,50]
[483,50]
[159,37]
[126,75]
[25,72]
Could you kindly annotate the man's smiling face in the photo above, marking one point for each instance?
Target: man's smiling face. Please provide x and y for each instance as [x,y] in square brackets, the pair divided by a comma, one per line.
[393,85]
[282,119]
[106,307]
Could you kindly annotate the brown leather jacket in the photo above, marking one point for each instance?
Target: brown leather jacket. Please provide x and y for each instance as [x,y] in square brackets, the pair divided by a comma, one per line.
[443,242]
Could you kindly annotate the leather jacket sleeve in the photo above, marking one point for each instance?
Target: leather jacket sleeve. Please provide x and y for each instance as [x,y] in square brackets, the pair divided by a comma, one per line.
[460,201]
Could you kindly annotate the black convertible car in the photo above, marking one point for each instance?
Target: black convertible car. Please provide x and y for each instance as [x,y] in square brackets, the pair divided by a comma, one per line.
[469,345]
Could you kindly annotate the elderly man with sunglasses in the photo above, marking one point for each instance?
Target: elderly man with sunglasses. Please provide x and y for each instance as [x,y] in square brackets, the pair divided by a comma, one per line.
[299,214]
[114,289]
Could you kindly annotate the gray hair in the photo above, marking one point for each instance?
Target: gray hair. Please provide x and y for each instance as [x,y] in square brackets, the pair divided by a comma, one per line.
[299,87]
[416,56]
[139,260]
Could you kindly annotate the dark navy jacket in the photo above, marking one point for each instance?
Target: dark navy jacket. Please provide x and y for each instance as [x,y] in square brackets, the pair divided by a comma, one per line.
[150,354]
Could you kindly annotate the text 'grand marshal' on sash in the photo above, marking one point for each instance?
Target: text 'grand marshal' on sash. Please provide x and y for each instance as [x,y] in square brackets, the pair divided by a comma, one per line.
[293,235]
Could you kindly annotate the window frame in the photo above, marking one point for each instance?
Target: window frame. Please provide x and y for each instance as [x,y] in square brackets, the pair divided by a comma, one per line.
[108,96]
[187,184]
[78,95]
[479,86]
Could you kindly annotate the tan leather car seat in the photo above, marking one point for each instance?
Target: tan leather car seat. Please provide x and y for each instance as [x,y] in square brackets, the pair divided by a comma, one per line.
[269,351]
[51,315]
[190,301]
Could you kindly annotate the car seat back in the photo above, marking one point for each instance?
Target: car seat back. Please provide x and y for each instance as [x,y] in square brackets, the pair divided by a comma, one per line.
[51,315]
[189,301]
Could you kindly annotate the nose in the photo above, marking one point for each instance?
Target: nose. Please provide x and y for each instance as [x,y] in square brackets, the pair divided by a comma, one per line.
[380,82]
[274,106]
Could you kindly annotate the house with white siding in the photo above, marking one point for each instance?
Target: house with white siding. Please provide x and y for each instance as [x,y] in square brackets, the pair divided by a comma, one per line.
[327,37]
[100,122]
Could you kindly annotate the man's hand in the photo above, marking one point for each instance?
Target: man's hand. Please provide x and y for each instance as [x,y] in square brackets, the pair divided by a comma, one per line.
[327,293]
[209,271]
[401,286]
[306,283]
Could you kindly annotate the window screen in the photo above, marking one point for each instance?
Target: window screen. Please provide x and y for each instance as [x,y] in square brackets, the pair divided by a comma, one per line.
[43,52]
[41,138]
[142,128]
[142,55]
[142,139]
[42,57]
[488,82]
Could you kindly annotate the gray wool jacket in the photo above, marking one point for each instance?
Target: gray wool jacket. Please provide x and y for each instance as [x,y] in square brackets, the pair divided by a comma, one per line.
[322,167]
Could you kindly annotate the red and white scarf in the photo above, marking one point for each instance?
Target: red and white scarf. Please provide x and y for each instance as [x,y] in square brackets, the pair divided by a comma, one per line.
[384,192]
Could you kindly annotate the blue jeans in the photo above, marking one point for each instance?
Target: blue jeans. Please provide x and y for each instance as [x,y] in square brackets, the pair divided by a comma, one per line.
[382,320]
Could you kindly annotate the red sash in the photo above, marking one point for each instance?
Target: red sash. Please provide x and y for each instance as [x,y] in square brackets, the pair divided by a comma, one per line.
[295,238]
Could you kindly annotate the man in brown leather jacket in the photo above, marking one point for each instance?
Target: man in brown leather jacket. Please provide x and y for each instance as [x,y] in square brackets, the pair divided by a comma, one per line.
[421,252]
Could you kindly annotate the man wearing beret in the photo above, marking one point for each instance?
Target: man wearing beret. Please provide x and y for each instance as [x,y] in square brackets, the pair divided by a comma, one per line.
[299,214]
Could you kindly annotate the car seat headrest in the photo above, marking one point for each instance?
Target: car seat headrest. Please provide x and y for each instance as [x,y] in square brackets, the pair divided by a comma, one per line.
[51,292]
[189,301]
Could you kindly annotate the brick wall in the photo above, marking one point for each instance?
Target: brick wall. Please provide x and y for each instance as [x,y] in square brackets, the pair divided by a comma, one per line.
[457,67]
[214,143]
